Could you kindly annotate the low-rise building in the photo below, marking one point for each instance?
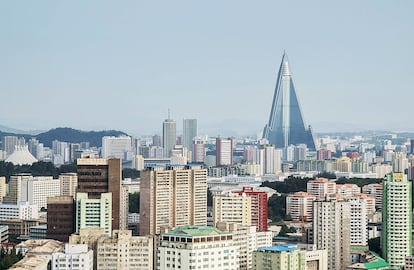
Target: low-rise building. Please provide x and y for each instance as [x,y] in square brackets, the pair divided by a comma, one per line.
[74,257]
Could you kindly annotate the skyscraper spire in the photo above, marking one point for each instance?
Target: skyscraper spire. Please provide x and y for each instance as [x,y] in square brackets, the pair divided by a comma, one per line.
[286,126]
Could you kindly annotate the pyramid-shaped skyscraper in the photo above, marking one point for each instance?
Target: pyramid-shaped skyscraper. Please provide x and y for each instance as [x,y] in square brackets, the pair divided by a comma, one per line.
[286,126]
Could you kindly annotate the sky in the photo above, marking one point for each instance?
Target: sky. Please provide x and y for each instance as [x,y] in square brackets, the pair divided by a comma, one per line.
[94,65]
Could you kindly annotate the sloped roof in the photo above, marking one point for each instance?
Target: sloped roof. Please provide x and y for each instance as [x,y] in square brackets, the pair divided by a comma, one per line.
[21,156]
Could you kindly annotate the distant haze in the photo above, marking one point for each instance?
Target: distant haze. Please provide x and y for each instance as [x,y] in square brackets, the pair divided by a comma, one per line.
[96,65]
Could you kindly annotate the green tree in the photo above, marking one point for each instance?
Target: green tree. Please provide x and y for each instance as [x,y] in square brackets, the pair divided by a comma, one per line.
[374,244]
[277,207]
[134,202]
[209,197]
[285,230]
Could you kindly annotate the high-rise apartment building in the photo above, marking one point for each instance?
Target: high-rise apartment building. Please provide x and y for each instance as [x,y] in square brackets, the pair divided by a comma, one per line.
[273,159]
[10,143]
[169,136]
[123,251]
[199,150]
[101,175]
[299,206]
[224,151]
[60,218]
[3,188]
[15,188]
[94,213]
[68,184]
[321,187]
[233,208]
[172,196]
[358,221]
[286,126]
[396,219]
[279,258]
[331,231]
[116,147]
[259,207]
[198,247]
[189,132]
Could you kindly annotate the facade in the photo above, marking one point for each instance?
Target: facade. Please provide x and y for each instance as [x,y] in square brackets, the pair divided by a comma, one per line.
[299,206]
[20,227]
[233,208]
[100,175]
[279,258]
[60,218]
[172,196]
[169,136]
[347,190]
[68,184]
[196,247]
[15,188]
[320,187]
[3,188]
[199,151]
[124,251]
[331,231]
[358,222]
[189,132]
[374,191]
[94,213]
[248,240]
[21,210]
[272,159]
[259,207]
[75,257]
[39,188]
[38,232]
[286,126]
[224,151]
[396,219]
[116,147]
[4,234]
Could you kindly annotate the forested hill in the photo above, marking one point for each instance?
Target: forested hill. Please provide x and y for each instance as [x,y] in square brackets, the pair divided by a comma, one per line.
[75,136]
[68,135]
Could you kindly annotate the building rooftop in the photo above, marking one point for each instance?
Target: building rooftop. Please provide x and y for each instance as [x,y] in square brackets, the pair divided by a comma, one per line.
[373,261]
[196,231]
[279,248]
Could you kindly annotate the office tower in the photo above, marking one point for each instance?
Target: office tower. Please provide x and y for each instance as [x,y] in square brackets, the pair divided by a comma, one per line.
[259,207]
[172,196]
[320,187]
[299,206]
[199,150]
[189,132]
[381,170]
[74,257]
[68,184]
[233,208]
[10,143]
[196,247]
[396,219]
[331,231]
[286,126]
[35,190]
[60,218]
[74,150]
[169,136]
[156,140]
[224,151]
[61,152]
[123,251]
[116,147]
[3,188]
[342,164]
[101,175]
[21,210]
[94,213]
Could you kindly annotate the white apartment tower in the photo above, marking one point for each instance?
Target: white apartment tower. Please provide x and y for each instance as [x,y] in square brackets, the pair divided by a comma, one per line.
[68,184]
[172,196]
[299,206]
[396,219]
[320,187]
[331,231]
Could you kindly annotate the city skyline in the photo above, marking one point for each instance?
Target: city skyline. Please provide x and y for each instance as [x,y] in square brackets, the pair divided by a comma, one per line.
[137,60]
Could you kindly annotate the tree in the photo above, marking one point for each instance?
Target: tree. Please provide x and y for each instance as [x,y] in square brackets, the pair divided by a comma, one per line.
[277,207]
[374,244]
[285,230]
[209,197]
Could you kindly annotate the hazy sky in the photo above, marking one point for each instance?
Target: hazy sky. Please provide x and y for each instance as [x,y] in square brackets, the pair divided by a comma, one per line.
[123,64]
